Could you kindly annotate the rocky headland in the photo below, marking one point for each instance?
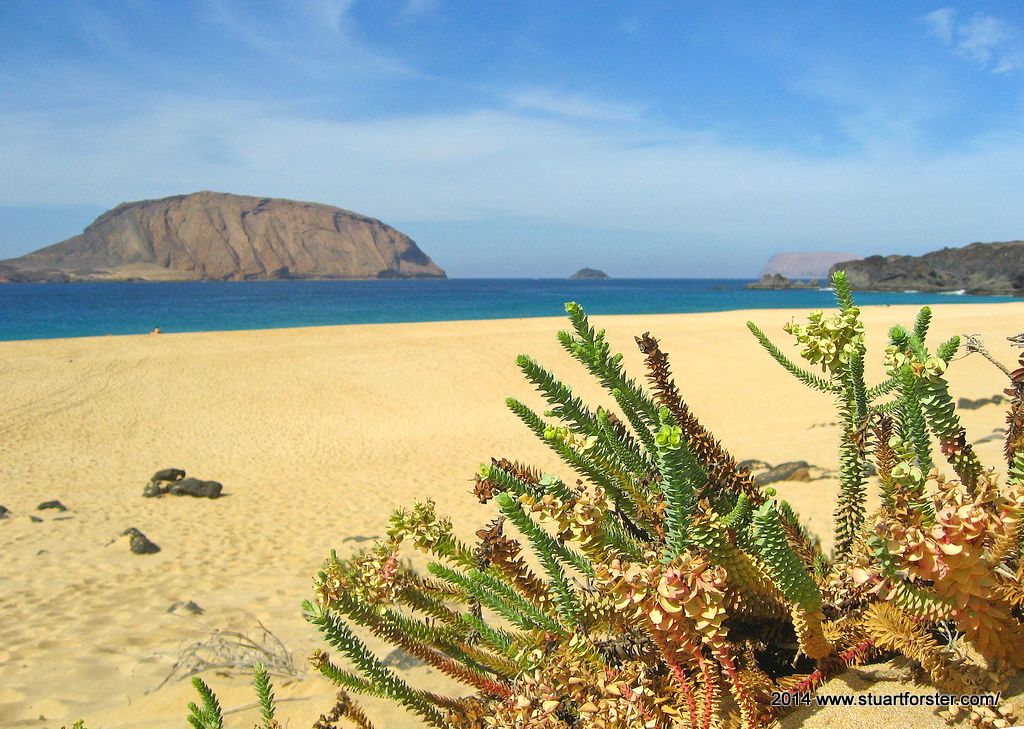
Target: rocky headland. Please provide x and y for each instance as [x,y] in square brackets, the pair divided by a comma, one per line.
[224,237]
[979,268]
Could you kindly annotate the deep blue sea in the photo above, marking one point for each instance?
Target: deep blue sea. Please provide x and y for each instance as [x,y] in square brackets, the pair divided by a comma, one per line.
[41,311]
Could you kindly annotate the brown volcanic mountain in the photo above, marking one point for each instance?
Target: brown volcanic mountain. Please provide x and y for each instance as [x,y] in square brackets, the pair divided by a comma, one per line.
[212,235]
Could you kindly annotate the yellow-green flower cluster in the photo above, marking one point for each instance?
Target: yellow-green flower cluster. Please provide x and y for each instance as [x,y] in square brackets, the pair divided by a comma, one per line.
[895,359]
[569,438]
[421,524]
[831,341]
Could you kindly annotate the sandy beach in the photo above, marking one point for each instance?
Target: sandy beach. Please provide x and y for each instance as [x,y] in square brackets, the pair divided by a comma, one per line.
[317,434]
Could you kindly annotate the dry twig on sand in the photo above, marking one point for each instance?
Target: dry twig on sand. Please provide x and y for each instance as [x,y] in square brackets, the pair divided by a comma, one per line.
[233,651]
[973,344]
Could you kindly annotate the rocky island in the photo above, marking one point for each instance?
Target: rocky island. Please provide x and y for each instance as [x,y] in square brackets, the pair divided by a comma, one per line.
[589,274]
[979,268]
[224,237]
[778,281]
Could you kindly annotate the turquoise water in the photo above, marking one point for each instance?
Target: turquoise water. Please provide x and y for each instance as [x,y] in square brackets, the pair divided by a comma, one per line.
[41,311]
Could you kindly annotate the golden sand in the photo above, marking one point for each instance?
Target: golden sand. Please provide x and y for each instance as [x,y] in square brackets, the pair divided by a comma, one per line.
[317,434]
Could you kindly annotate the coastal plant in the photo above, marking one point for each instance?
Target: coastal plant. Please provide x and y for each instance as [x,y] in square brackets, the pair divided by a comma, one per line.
[657,584]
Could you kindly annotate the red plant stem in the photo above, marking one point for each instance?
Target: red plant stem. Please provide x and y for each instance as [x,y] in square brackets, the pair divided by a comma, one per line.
[677,671]
[818,676]
[709,687]
[452,668]
[742,698]
[630,696]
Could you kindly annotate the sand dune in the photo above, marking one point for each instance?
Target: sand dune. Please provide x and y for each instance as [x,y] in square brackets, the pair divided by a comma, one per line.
[316,435]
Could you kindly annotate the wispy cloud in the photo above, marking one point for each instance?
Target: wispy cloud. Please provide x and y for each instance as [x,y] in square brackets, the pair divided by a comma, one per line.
[488,164]
[573,105]
[418,8]
[940,23]
[988,42]
[314,36]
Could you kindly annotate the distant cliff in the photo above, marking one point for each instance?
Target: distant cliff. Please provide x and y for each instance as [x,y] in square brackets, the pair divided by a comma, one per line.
[217,236]
[805,265]
[979,268]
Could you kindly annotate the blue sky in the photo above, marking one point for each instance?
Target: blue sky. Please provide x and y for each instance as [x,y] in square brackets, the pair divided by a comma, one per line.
[530,138]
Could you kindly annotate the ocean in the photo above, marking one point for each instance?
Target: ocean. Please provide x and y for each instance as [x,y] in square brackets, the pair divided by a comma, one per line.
[43,311]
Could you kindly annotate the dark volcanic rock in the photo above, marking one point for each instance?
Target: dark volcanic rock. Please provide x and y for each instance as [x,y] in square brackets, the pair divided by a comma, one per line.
[153,489]
[791,471]
[187,606]
[588,273]
[4,512]
[52,505]
[217,236]
[195,487]
[752,464]
[139,543]
[778,281]
[980,268]
[169,474]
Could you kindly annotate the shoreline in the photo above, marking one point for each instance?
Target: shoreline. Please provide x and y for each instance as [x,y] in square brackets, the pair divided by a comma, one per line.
[749,313]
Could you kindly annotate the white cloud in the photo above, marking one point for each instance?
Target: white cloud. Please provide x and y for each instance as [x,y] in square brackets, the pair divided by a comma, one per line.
[980,37]
[940,24]
[988,42]
[493,164]
[575,106]
[418,8]
[313,36]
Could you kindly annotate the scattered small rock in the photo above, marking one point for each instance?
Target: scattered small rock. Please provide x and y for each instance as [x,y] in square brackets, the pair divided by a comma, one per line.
[35,519]
[41,552]
[52,505]
[187,605]
[157,485]
[153,489]
[196,487]
[791,471]
[139,543]
[4,512]
[752,464]
[169,474]
[173,481]
[965,403]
